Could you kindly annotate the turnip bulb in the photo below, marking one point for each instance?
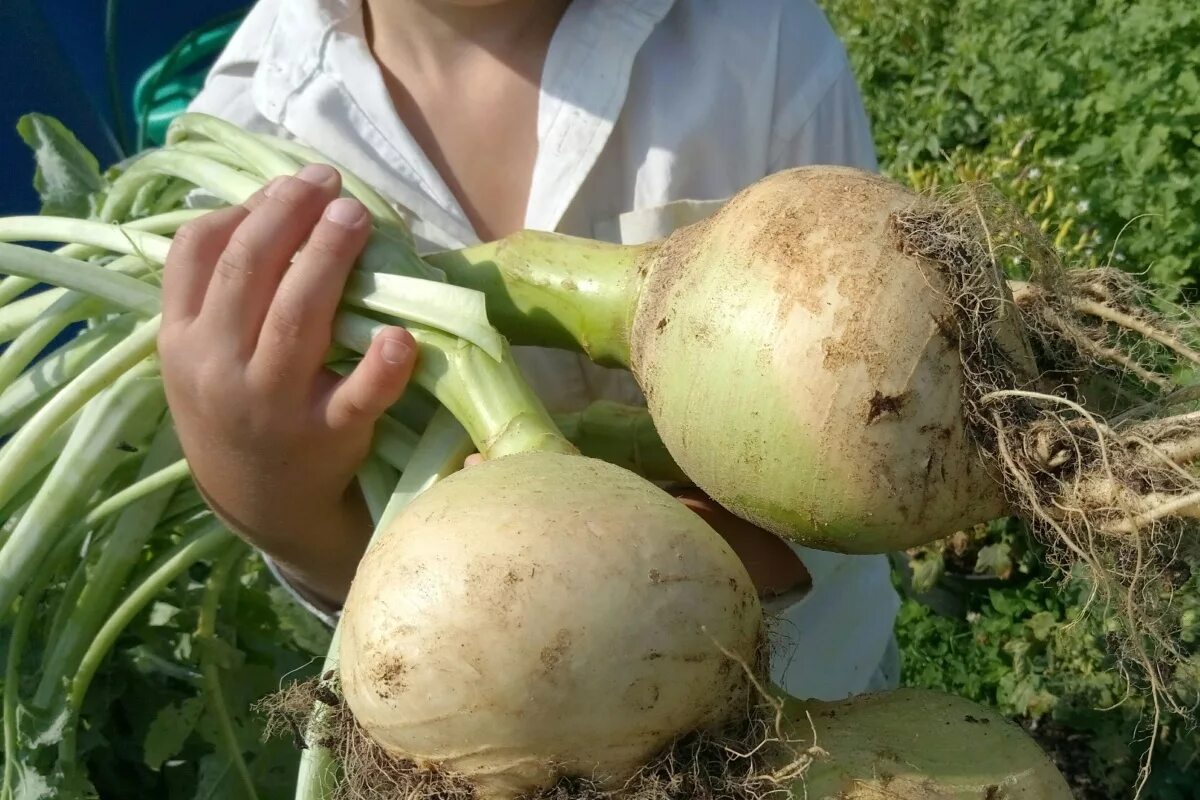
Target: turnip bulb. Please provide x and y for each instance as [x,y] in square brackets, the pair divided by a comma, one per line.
[542,616]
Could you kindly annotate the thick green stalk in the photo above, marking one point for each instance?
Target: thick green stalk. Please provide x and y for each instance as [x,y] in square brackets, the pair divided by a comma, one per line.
[12,287]
[376,477]
[21,313]
[439,453]
[126,411]
[206,639]
[385,251]
[206,542]
[70,308]
[225,182]
[215,151]
[23,396]
[111,287]
[552,290]
[28,484]
[88,233]
[454,309]
[17,638]
[133,527]
[489,395]
[490,398]
[260,158]
[25,447]
[393,442]
[270,157]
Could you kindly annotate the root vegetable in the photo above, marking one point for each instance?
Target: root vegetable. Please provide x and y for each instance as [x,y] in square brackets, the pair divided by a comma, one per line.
[543,616]
[915,744]
[841,361]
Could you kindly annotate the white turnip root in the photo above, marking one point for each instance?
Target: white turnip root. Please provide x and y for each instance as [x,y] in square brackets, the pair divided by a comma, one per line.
[544,616]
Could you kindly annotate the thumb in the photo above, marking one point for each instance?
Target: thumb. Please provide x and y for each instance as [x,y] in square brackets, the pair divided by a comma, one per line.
[376,383]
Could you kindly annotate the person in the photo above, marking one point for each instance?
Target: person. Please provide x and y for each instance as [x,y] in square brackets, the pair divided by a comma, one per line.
[613,119]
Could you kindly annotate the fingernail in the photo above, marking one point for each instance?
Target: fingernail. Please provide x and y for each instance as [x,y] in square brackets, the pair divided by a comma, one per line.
[318,174]
[395,351]
[272,185]
[345,211]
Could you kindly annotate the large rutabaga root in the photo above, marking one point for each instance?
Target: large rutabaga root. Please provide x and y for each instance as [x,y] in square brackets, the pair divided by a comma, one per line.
[1115,499]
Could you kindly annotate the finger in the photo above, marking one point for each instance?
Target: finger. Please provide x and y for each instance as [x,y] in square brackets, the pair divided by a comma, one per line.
[375,384]
[259,251]
[258,198]
[189,265]
[473,460]
[299,323]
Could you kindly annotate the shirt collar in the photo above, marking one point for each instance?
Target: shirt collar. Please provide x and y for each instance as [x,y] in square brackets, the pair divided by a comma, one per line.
[585,81]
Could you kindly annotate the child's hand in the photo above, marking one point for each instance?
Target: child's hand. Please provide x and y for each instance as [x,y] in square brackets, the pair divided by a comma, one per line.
[274,438]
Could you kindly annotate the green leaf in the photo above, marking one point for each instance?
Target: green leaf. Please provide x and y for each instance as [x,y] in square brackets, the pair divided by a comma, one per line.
[170,729]
[994,559]
[67,176]
[305,630]
[1042,624]
[217,781]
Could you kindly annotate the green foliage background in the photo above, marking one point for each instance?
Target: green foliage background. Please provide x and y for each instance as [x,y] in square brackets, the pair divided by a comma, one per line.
[1086,113]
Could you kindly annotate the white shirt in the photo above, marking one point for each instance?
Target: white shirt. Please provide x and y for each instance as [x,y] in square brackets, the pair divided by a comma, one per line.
[650,113]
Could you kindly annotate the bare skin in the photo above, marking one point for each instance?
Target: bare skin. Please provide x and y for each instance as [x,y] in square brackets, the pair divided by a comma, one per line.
[274,439]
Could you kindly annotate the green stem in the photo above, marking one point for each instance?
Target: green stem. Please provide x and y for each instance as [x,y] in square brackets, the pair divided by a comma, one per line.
[376,478]
[165,478]
[28,442]
[120,413]
[489,397]
[133,527]
[386,251]
[270,157]
[439,453]
[111,287]
[223,181]
[216,152]
[12,287]
[18,315]
[622,435]
[127,239]
[204,543]
[393,442]
[453,309]
[67,607]
[36,471]
[552,290]
[32,388]
[206,636]
[12,675]
[70,308]
[488,394]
